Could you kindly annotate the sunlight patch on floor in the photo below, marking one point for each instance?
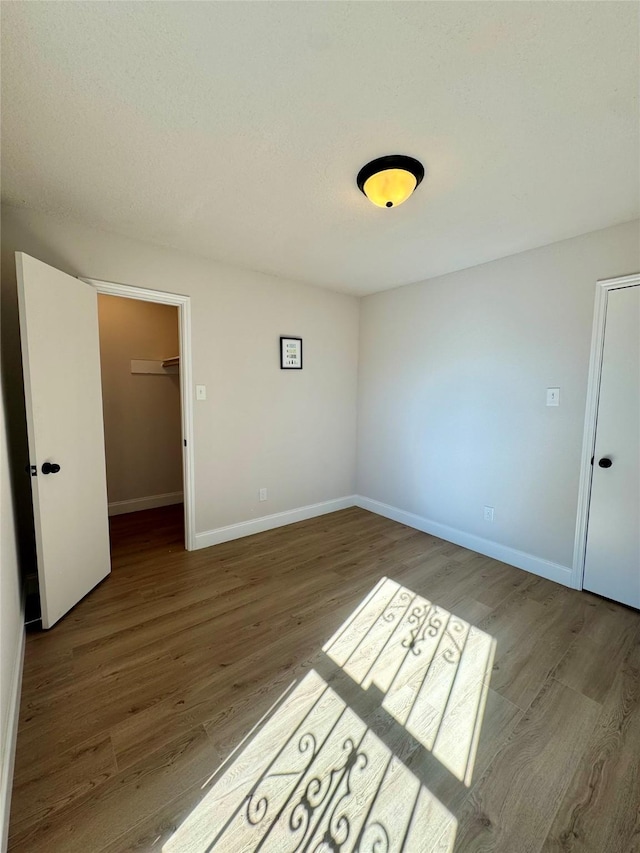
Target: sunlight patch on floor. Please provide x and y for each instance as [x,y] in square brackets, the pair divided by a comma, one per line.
[315,777]
[432,667]
[330,768]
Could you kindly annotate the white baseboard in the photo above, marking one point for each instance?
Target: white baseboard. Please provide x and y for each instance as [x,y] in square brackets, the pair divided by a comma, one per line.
[519,559]
[10,736]
[150,502]
[269,522]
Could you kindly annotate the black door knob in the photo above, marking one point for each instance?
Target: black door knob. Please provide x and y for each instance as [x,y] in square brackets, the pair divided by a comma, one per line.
[605,462]
[50,468]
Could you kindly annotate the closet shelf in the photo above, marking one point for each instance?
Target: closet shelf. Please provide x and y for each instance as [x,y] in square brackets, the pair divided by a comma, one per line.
[162,367]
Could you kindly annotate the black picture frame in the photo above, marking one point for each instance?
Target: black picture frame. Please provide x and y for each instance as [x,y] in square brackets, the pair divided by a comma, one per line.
[287,360]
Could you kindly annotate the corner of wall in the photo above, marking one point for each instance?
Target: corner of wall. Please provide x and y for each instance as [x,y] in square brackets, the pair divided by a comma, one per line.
[512,556]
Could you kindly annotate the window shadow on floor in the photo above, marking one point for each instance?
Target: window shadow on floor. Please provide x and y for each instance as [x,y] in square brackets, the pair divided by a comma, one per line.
[371,751]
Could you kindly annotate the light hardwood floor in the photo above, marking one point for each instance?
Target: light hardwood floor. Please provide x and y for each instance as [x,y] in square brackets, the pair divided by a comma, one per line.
[134,700]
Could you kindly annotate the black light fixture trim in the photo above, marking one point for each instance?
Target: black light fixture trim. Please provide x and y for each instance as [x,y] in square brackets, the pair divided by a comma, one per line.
[391,161]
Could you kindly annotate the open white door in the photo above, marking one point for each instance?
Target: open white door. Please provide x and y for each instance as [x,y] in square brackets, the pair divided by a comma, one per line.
[61,364]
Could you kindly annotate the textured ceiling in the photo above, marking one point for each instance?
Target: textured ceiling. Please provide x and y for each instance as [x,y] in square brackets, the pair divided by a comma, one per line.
[236,130]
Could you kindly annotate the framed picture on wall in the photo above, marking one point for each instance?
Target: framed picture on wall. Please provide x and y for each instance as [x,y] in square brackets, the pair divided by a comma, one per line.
[290,353]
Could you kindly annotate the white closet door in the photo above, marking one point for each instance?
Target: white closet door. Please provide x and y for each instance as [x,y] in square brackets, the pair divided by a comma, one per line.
[612,566]
[61,364]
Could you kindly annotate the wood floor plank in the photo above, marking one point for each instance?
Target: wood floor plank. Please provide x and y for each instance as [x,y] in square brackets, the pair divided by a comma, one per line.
[533,627]
[77,771]
[153,831]
[124,799]
[592,661]
[499,718]
[133,700]
[39,677]
[77,716]
[601,809]
[513,805]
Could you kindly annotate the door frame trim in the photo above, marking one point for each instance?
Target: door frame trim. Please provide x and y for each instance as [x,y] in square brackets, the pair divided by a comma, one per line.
[183,303]
[603,288]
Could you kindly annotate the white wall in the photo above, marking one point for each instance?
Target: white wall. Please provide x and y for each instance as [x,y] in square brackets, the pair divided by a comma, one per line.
[142,425]
[292,432]
[11,628]
[453,372]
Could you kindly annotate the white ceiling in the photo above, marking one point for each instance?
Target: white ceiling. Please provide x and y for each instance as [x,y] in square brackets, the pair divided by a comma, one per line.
[235,130]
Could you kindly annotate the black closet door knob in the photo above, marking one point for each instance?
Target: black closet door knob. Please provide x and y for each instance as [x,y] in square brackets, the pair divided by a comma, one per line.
[605,462]
[50,468]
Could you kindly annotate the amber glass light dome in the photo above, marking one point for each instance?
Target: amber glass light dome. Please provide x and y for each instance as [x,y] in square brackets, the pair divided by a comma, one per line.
[389,181]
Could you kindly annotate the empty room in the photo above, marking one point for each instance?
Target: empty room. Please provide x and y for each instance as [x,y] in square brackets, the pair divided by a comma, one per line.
[320,521]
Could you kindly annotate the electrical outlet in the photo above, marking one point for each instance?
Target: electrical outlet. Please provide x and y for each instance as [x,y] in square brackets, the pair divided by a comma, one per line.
[489,513]
[263,494]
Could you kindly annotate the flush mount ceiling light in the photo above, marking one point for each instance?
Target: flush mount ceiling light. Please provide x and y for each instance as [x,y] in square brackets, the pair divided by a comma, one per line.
[388,181]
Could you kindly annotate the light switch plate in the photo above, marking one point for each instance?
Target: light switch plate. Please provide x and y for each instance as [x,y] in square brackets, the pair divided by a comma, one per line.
[553,396]
[201,392]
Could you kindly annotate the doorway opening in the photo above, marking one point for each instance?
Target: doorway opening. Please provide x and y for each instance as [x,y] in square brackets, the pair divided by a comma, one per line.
[140,371]
[145,355]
